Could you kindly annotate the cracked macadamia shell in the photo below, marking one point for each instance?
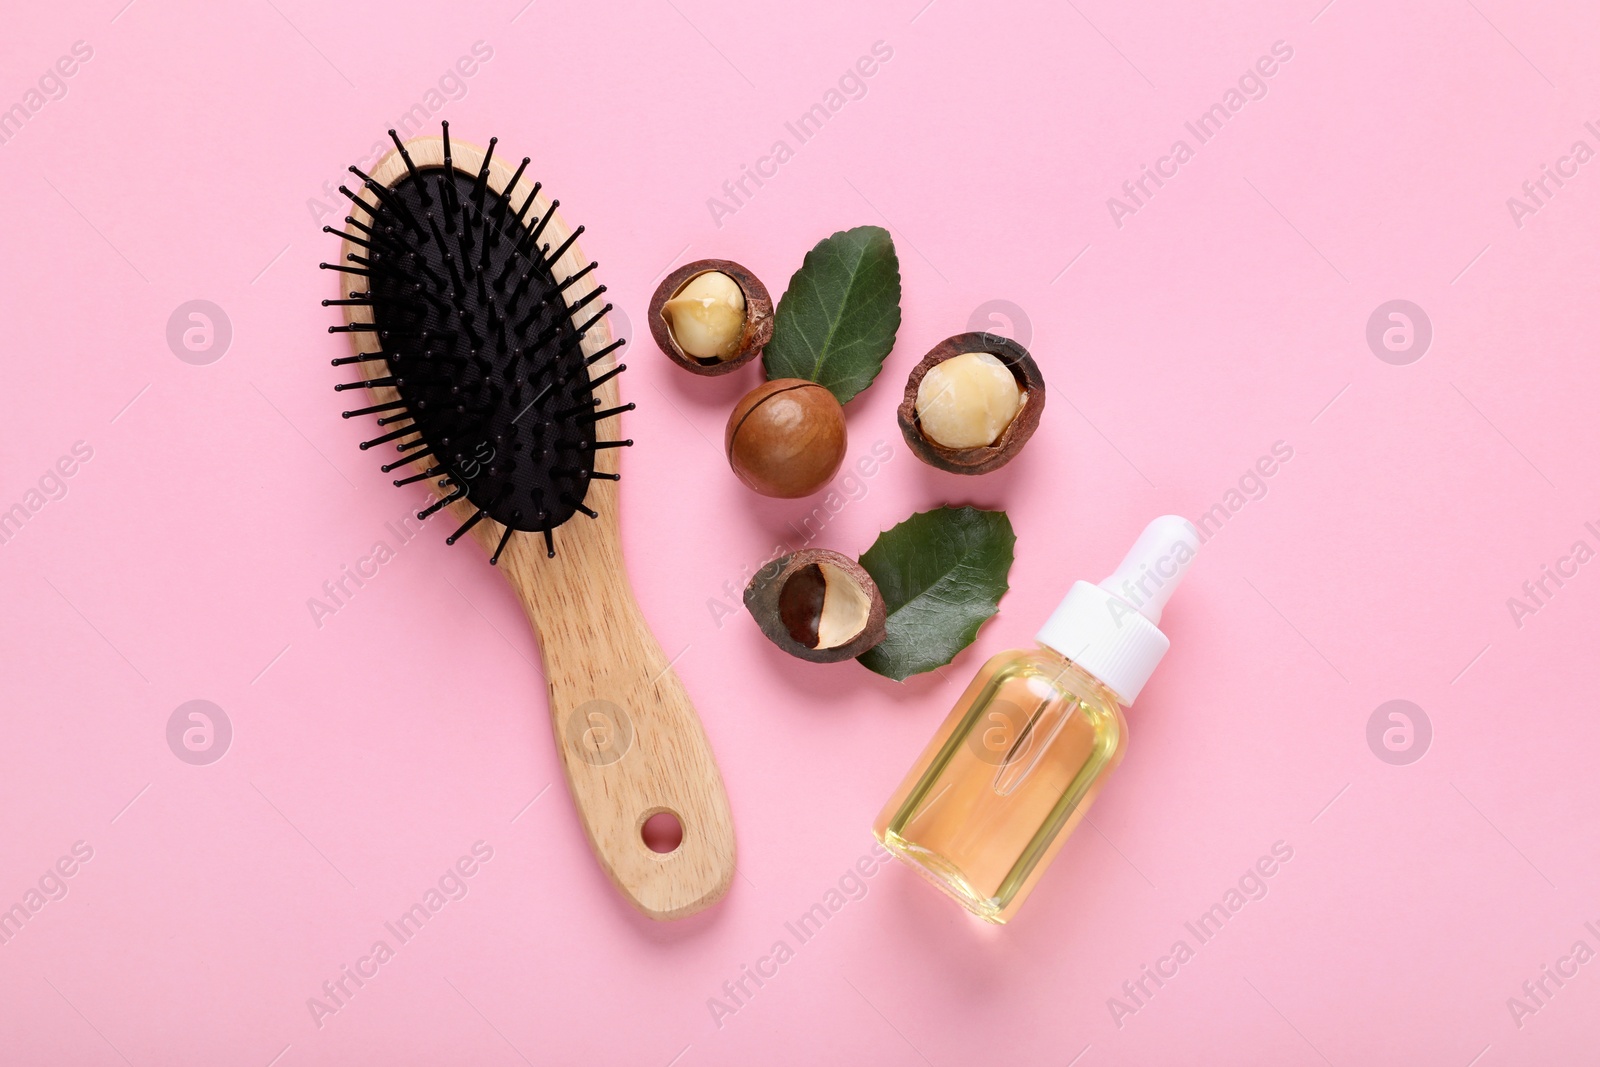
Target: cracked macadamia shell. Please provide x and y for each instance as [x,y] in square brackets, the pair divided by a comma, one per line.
[817,605]
[980,459]
[753,337]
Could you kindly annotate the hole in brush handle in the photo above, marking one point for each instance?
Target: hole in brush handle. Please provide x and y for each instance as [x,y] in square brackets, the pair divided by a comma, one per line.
[661,832]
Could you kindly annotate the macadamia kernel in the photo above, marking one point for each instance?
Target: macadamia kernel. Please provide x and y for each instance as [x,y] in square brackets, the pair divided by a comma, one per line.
[845,607]
[707,316]
[967,401]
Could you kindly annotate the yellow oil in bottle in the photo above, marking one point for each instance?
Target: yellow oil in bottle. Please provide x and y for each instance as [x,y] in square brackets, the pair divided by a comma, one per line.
[1024,752]
[1005,780]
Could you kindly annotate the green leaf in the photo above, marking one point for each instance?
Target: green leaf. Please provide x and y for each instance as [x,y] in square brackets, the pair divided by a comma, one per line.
[837,320]
[942,574]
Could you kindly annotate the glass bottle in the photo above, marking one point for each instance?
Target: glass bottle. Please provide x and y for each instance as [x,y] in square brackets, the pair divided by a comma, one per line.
[1031,741]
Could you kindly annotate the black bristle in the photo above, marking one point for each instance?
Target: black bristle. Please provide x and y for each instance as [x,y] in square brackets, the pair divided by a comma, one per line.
[440,503]
[566,498]
[411,168]
[574,276]
[555,256]
[526,204]
[482,343]
[429,473]
[397,464]
[583,331]
[596,382]
[362,241]
[374,409]
[606,351]
[596,416]
[533,236]
[469,524]
[365,357]
[370,383]
[578,410]
[503,202]
[504,540]
[482,181]
[386,438]
[447,179]
[360,203]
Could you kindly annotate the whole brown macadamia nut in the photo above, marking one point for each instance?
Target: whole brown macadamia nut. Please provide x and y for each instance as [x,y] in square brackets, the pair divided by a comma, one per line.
[786,438]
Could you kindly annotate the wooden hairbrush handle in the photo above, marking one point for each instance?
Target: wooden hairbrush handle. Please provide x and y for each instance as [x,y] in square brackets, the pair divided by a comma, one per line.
[629,738]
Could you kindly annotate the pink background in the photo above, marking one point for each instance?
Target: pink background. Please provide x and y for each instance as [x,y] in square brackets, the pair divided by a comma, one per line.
[1227,314]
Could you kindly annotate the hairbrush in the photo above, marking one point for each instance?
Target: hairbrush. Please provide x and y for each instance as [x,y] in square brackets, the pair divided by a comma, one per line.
[483,345]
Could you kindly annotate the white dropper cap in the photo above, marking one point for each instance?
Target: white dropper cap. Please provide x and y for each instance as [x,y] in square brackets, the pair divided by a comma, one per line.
[1110,629]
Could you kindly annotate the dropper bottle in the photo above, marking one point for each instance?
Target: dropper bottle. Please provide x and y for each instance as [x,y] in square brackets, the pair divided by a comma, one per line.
[1026,749]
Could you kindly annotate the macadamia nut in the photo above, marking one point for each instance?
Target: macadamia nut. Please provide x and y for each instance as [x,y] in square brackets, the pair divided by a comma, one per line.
[707,316]
[786,438]
[817,605]
[967,401]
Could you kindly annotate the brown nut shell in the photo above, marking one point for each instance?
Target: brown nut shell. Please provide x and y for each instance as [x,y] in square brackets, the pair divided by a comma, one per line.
[786,438]
[818,605]
[984,459]
[757,316]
